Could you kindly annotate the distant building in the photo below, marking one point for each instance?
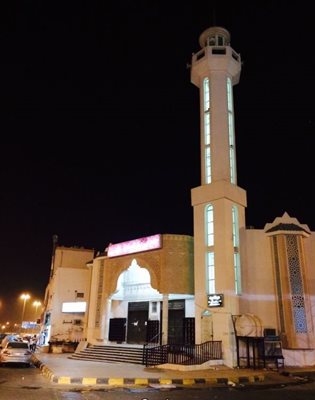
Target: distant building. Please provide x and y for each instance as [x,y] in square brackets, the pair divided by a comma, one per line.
[67,295]
[228,283]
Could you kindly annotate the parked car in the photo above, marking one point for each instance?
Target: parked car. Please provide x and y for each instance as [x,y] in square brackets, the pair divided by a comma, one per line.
[2,336]
[5,335]
[16,352]
[10,337]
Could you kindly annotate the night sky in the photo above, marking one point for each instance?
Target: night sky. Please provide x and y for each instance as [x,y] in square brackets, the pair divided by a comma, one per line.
[100,123]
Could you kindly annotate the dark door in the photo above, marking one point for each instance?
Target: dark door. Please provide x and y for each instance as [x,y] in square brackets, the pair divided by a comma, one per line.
[189,330]
[117,330]
[153,332]
[176,315]
[137,322]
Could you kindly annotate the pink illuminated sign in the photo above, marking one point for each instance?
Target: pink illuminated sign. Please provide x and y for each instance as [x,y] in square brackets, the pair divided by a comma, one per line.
[134,246]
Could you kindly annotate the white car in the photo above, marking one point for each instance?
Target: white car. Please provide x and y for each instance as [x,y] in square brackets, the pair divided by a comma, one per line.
[10,337]
[16,352]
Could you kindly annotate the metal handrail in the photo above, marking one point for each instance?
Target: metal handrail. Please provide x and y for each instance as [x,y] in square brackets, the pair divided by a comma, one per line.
[185,354]
[152,340]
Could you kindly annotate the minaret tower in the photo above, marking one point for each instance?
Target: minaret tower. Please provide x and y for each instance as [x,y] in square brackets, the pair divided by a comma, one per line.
[219,204]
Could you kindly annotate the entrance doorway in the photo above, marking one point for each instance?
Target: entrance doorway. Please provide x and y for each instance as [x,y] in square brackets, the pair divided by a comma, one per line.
[138,314]
[176,315]
[117,330]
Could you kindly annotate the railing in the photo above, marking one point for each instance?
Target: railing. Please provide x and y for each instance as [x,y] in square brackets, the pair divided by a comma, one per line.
[152,344]
[184,354]
[217,50]
[155,339]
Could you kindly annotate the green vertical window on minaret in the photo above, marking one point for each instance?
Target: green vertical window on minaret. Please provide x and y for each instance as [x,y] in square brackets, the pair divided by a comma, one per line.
[209,225]
[231,130]
[210,272]
[207,127]
[209,249]
[236,241]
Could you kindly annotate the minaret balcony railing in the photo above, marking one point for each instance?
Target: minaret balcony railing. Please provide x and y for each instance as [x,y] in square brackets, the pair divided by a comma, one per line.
[215,51]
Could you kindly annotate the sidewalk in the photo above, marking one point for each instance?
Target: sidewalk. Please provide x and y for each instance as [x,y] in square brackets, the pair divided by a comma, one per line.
[60,369]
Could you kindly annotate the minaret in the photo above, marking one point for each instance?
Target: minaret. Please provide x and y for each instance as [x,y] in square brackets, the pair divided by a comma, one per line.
[219,204]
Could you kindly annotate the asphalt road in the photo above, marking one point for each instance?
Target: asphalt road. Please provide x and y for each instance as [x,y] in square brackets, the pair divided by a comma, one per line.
[30,384]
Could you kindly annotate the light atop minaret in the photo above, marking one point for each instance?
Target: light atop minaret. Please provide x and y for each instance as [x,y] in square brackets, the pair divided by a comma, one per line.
[214,36]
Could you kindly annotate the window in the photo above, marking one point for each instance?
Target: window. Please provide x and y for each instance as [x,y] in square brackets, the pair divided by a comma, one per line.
[296,284]
[206,94]
[219,51]
[221,40]
[231,130]
[210,272]
[217,40]
[210,250]
[207,129]
[200,55]
[17,345]
[154,307]
[237,262]
[209,225]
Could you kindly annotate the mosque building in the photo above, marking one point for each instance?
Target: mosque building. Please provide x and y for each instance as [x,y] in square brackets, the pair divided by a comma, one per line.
[227,283]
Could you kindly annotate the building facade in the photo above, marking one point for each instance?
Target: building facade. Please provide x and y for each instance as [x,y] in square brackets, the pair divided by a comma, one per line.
[193,289]
[67,295]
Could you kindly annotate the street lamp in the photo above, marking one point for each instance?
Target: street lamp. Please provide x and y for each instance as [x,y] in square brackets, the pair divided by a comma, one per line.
[36,304]
[24,297]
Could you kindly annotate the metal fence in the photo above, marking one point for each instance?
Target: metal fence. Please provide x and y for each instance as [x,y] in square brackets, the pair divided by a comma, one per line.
[184,354]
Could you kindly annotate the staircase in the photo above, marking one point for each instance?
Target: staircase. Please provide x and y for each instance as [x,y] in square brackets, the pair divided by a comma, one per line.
[123,353]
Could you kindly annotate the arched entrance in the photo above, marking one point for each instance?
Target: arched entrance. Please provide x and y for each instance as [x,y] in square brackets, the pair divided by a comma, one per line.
[135,307]
[138,292]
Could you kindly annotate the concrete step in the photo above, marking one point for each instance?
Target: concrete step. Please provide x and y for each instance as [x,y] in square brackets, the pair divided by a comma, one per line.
[110,354]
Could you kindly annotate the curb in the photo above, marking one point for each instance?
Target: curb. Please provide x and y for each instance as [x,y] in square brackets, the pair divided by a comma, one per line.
[67,380]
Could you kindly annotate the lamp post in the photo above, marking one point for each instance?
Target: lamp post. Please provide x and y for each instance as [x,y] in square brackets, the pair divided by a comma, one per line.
[36,304]
[24,297]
